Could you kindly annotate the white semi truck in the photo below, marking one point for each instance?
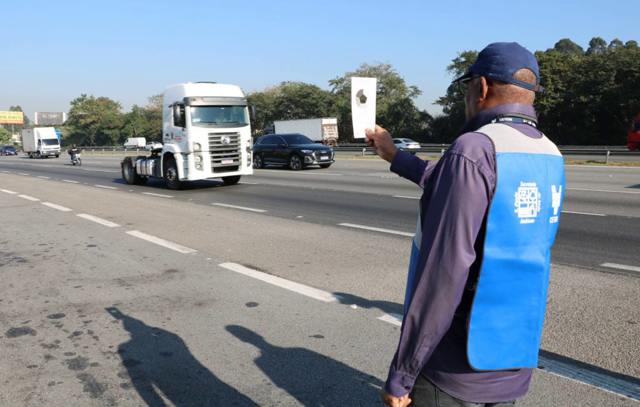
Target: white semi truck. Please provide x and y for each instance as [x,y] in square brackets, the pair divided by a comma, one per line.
[322,130]
[206,134]
[41,142]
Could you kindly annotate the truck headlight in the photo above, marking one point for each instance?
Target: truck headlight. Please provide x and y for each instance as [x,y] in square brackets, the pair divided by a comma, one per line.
[197,147]
[198,159]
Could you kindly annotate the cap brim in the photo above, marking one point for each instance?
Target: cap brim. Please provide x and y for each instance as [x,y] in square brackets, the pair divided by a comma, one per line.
[463,77]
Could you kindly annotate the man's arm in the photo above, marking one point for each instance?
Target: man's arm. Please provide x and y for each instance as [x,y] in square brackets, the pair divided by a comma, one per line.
[452,219]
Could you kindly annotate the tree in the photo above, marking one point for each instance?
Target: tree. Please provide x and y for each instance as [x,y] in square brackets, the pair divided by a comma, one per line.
[395,109]
[290,100]
[566,46]
[143,121]
[597,46]
[448,128]
[615,43]
[94,121]
[5,136]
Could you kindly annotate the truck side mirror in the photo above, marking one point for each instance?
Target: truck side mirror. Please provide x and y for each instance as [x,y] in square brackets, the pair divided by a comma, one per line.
[252,113]
[178,115]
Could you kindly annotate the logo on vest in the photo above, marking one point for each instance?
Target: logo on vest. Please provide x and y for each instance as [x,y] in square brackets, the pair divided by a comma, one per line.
[527,202]
[556,198]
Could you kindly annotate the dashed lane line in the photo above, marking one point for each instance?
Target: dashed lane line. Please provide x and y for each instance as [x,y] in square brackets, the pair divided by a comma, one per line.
[610,191]
[104,186]
[558,365]
[242,208]
[161,242]
[70,181]
[24,173]
[158,195]
[282,283]
[6,191]
[374,229]
[43,177]
[98,220]
[406,197]
[29,198]
[621,267]
[393,319]
[584,213]
[57,207]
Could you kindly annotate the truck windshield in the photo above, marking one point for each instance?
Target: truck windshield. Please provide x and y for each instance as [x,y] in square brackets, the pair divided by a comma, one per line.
[219,116]
[50,142]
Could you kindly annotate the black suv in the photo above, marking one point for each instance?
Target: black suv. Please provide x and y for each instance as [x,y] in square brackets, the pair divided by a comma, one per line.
[8,150]
[293,150]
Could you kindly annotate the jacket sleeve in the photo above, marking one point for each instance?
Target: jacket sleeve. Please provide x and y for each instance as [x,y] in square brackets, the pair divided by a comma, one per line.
[412,168]
[452,219]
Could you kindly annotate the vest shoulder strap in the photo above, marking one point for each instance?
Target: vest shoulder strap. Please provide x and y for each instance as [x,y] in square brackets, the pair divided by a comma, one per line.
[506,139]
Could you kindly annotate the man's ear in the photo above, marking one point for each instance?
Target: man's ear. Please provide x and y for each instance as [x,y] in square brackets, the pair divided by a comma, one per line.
[484,89]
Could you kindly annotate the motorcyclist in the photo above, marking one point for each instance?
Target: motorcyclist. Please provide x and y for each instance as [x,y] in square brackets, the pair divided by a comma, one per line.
[74,152]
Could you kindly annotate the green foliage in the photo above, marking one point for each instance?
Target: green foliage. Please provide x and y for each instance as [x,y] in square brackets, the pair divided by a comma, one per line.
[5,136]
[289,100]
[143,121]
[395,109]
[94,121]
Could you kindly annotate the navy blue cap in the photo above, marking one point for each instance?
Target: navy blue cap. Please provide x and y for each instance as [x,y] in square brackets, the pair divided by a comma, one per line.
[501,60]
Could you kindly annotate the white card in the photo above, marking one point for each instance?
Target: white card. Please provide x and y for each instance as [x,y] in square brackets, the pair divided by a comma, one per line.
[363,105]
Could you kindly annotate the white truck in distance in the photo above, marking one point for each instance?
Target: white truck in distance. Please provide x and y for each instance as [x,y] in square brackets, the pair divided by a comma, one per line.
[322,130]
[206,134]
[40,142]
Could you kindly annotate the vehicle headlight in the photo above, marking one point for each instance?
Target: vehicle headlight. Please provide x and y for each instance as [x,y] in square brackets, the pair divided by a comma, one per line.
[307,151]
[198,162]
[197,147]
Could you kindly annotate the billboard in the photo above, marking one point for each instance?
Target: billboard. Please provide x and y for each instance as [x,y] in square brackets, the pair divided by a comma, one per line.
[11,117]
[50,118]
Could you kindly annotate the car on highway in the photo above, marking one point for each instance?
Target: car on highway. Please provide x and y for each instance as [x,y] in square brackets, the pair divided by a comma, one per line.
[8,150]
[295,151]
[406,144]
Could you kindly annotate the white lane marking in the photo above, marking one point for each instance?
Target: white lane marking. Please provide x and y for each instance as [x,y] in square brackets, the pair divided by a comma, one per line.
[393,319]
[249,183]
[161,242]
[23,173]
[281,282]
[43,177]
[603,190]
[104,186]
[158,195]
[406,197]
[98,220]
[113,172]
[28,198]
[6,172]
[55,206]
[621,267]
[328,174]
[70,181]
[243,208]
[374,229]
[6,191]
[584,213]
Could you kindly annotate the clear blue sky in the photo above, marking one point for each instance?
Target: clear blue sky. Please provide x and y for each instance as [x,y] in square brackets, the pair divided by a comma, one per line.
[53,51]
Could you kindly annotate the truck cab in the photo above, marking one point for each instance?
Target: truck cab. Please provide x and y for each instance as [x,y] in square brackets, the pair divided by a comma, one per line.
[205,134]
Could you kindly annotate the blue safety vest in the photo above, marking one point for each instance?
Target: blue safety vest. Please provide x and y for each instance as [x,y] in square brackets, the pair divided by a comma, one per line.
[508,309]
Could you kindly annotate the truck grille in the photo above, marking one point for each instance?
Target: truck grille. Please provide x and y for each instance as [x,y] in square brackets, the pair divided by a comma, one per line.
[225,151]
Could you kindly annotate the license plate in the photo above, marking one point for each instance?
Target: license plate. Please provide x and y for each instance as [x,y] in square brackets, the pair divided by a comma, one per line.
[324,157]
[227,161]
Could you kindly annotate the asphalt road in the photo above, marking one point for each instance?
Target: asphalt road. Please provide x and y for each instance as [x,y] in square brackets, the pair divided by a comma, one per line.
[255,295]
[599,225]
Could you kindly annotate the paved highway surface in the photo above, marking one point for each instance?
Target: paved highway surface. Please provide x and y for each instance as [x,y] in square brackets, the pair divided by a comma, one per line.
[282,290]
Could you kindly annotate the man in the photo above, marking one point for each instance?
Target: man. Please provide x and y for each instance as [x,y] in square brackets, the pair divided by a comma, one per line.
[480,261]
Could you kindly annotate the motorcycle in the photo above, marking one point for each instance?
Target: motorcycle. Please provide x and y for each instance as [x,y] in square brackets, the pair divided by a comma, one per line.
[75,159]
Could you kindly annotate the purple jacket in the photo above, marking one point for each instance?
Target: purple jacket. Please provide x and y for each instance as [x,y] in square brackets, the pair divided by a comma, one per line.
[454,204]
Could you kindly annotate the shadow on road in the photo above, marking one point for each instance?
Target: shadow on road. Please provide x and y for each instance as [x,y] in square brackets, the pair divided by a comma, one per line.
[159,362]
[385,306]
[311,378]
[158,183]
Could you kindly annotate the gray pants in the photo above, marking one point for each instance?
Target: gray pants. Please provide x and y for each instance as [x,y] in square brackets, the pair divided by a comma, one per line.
[425,394]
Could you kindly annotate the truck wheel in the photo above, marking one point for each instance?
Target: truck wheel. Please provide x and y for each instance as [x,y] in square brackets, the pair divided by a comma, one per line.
[295,163]
[231,180]
[171,174]
[38,155]
[258,162]
[129,173]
